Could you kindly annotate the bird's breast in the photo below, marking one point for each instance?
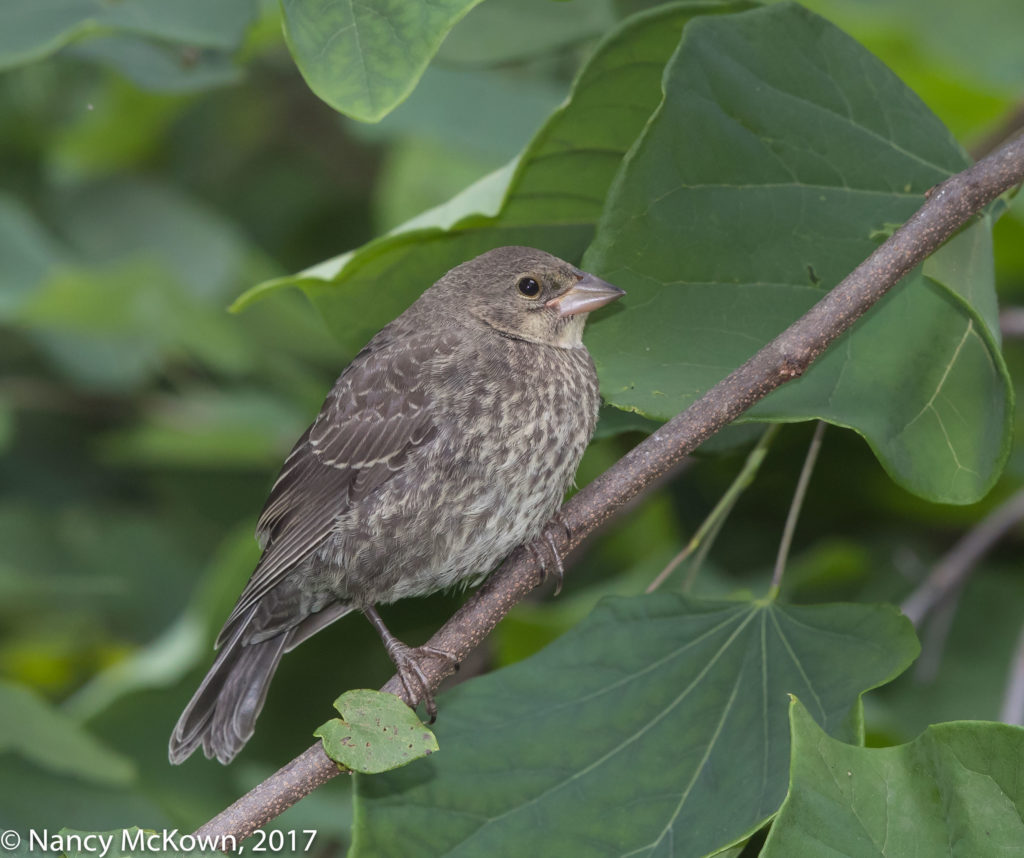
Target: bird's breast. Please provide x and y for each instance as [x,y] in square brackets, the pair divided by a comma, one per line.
[513,439]
[512,424]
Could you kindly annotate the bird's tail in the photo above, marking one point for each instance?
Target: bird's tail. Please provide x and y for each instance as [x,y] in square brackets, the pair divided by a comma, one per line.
[221,716]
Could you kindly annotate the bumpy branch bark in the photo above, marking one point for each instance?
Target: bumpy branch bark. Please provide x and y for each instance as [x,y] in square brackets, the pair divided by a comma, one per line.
[947,208]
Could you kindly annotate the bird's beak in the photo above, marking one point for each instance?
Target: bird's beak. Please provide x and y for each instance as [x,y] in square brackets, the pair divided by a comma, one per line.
[590,293]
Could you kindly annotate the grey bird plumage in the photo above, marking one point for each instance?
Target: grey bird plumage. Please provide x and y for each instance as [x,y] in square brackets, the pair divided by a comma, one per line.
[450,439]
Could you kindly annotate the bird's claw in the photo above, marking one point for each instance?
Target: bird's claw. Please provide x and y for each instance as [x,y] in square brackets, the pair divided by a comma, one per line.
[552,550]
[414,680]
[559,519]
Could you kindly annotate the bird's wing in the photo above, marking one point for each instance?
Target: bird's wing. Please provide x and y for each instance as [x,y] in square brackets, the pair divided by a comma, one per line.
[376,414]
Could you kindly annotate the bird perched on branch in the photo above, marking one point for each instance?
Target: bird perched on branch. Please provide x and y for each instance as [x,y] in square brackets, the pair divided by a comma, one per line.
[450,439]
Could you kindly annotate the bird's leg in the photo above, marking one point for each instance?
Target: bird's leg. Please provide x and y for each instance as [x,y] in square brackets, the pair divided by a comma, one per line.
[407,661]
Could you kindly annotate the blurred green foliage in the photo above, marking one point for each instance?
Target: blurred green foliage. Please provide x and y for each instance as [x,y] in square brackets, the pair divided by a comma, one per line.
[157,160]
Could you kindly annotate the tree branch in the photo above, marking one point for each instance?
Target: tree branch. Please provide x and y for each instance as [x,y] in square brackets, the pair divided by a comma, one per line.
[952,570]
[947,208]
[1012,711]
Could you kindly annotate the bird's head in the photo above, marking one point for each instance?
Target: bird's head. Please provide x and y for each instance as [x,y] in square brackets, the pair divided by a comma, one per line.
[527,294]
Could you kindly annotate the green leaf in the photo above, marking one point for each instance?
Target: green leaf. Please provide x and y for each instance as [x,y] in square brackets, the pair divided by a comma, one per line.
[781,152]
[962,42]
[955,790]
[122,218]
[159,67]
[376,733]
[550,197]
[94,142]
[31,31]
[658,726]
[160,663]
[150,261]
[28,252]
[615,421]
[365,58]
[419,173]
[111,327]
[37,731]
[500,31]
[487,113]
[205,429]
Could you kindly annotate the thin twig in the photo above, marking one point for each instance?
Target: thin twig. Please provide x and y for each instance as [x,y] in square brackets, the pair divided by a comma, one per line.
[949,574]
[702,554]
[795,506]
[709,527]
[1012,123]
[1011,322]
[947,208]
[934,634]
[1013,702]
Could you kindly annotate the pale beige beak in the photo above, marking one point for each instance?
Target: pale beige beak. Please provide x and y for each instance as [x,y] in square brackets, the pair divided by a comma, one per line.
[589,294]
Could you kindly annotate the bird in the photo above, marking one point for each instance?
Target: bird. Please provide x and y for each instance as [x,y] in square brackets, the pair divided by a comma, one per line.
[448,441]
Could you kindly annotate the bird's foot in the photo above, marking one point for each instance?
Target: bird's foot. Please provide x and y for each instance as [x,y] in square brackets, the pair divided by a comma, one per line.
[557,568]
[407,662]
[559,519]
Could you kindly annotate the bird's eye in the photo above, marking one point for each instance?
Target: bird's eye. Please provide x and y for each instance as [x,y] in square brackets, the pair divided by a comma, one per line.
[528,287]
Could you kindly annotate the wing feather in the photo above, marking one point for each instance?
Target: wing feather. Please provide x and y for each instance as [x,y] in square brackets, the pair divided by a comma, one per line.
[376,414]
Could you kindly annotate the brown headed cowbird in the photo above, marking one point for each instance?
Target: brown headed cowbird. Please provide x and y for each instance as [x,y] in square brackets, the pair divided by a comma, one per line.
[448,441]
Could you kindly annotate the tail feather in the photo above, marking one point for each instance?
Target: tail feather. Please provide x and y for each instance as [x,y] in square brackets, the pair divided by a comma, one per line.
[221,716]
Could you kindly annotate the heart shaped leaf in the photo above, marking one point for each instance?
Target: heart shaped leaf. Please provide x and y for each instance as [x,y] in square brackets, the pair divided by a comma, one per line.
[376,732]
[783,152]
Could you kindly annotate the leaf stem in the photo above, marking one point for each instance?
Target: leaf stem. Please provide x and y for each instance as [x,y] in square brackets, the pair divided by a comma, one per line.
[708,530]
[795,507]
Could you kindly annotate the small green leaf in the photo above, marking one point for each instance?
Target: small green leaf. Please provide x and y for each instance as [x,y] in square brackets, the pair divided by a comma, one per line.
[365,58]
[376,732]
[956,790]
